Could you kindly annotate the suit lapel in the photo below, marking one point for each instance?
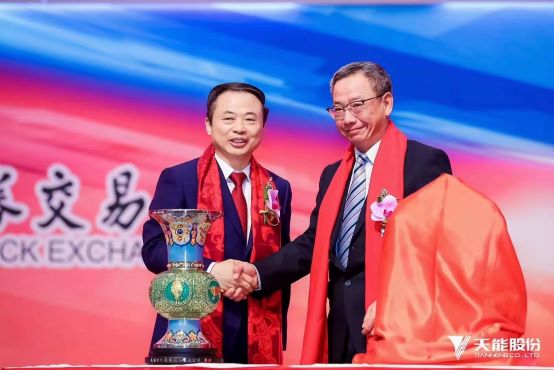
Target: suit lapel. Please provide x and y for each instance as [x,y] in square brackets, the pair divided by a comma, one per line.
[249,247]
[336,231]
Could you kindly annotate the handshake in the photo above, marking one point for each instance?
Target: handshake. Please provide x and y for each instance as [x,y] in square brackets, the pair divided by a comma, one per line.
[237,279]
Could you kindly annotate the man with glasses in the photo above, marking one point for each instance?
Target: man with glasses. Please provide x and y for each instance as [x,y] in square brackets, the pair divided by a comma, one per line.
[342,243]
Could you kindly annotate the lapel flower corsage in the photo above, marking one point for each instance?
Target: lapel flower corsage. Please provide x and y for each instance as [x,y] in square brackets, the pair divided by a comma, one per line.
[382,209]
[272,209]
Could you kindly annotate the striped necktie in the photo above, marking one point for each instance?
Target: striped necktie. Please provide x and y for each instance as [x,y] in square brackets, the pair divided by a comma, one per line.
[352,207]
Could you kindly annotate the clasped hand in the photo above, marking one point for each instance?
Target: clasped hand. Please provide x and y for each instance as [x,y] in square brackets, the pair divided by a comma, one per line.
[237,279]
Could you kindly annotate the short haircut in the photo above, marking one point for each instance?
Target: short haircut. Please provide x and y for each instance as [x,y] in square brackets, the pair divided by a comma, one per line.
[234,86]
[378,77]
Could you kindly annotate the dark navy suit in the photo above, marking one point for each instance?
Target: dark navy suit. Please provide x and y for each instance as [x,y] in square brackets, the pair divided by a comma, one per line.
[346,291]
[178,188]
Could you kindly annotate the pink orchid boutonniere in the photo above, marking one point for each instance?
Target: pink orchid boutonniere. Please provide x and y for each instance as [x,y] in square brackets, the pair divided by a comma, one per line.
[272,209]
[382,209]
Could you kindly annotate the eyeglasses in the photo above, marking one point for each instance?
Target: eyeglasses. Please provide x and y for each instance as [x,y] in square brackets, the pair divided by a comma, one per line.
[355,107]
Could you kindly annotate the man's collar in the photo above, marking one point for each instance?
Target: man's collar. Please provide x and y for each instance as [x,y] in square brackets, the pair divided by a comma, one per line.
[371,153]
[228,170]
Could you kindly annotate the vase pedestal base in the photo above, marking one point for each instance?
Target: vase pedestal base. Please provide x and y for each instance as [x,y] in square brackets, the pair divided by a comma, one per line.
[173,356]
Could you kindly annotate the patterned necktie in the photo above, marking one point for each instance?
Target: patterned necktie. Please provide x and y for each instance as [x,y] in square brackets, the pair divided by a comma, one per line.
[238,198]
[352,207]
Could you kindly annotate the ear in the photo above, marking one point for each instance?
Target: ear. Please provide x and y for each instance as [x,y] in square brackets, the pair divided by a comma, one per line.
[265,114]
[388,100]
[208,126]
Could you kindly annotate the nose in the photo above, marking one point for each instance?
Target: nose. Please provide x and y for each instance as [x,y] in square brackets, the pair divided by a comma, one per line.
[348,117]
[239,126]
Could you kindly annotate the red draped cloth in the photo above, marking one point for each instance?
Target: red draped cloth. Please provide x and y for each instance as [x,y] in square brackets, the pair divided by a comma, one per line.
[447,267]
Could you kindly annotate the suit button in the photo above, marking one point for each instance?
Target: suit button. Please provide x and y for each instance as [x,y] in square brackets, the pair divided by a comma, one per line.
[347,283]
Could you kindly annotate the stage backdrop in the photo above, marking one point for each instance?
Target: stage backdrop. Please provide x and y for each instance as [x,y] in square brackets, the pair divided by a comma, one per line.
[95,101]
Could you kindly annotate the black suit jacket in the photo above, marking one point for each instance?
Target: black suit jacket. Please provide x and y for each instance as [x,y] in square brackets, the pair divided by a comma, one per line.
[346,290]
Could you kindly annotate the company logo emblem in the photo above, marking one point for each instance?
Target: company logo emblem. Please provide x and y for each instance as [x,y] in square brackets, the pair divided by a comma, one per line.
[460,343]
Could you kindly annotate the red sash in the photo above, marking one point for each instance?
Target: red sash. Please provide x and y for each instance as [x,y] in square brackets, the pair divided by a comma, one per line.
[388,173]
[264,315]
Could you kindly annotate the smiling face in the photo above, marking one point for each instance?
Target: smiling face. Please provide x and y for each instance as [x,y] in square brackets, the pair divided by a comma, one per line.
[236,127]
[368,127]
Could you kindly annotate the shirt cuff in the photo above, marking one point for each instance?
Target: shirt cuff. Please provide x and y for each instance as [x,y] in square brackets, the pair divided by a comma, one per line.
[259,280]
[211,266]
